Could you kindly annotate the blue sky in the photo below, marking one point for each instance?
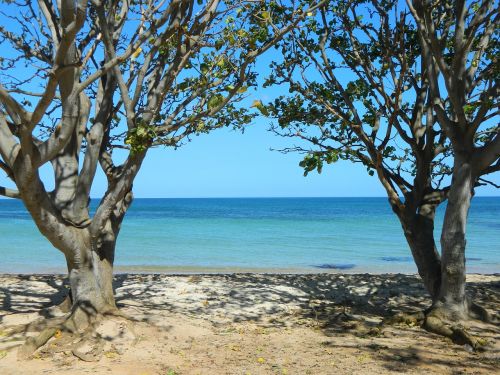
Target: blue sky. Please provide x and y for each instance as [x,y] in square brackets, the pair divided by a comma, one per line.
[230,164]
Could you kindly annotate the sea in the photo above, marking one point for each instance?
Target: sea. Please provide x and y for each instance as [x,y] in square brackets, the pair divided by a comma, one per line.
[222,235]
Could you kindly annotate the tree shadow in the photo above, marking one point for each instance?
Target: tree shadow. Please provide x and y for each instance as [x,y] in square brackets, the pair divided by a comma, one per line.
[339,306]
[30,293]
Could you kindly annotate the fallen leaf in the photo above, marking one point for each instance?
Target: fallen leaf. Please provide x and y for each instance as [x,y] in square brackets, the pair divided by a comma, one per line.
[110,354]
[364,358]
[261,360]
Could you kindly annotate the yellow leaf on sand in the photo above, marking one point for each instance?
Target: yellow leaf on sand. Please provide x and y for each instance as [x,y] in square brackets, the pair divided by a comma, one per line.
[261,360]
[364,358]
[110,354]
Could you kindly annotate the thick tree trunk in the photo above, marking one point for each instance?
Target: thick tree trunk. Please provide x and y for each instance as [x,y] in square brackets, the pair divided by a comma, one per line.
[419,233]
[452,298]
[91,279]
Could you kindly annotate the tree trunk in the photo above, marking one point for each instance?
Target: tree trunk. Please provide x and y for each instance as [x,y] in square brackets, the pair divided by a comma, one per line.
[419,233]
[91,278]
[452,298]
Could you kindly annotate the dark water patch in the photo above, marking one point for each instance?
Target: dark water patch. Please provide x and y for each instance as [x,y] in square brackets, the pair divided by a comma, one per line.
[473,259]
[335,266]
[396,259]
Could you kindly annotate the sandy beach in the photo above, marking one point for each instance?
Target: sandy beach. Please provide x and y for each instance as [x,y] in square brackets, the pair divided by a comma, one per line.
[251,324]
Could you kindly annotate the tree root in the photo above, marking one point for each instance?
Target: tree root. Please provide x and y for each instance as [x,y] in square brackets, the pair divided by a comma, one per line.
[89,350]
[435,321]
[65,305]
[445,322]
[33,343]
[80,334]
[79,320]
[456,333]
[480,313]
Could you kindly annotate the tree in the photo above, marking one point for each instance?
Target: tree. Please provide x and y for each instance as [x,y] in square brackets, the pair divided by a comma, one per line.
[462,41]
[360,91]
[97,84]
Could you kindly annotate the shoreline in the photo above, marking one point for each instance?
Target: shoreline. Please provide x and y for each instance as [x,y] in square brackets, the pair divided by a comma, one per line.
[201,271]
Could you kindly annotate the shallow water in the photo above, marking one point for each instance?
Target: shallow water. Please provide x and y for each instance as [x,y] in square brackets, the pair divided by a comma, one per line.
[254,234]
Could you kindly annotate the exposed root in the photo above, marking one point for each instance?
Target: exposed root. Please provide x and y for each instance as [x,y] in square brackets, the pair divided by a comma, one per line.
[65,305]
[89,350]
[458,334]
[77,321]
[443,322]
[84,334]
[33,343]
[435,320]
[480,313]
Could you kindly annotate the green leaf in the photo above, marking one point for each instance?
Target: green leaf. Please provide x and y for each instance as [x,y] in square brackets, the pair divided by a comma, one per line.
[215,101]
[204,68]
[219,43]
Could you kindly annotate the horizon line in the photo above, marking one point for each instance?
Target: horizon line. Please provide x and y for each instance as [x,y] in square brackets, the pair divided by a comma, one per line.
[267,197]
[284,197]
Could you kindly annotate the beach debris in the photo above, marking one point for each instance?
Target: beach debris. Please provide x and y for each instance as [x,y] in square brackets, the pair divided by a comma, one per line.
[365,357]
[58,334]
[235,348]
[261,360]
[411,320]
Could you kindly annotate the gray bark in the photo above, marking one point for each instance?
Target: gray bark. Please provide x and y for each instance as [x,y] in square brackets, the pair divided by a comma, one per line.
[419,233]
[452,294]
[91,278]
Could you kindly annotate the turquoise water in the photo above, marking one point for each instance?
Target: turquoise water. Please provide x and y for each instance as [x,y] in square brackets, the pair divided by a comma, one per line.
[254,234]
